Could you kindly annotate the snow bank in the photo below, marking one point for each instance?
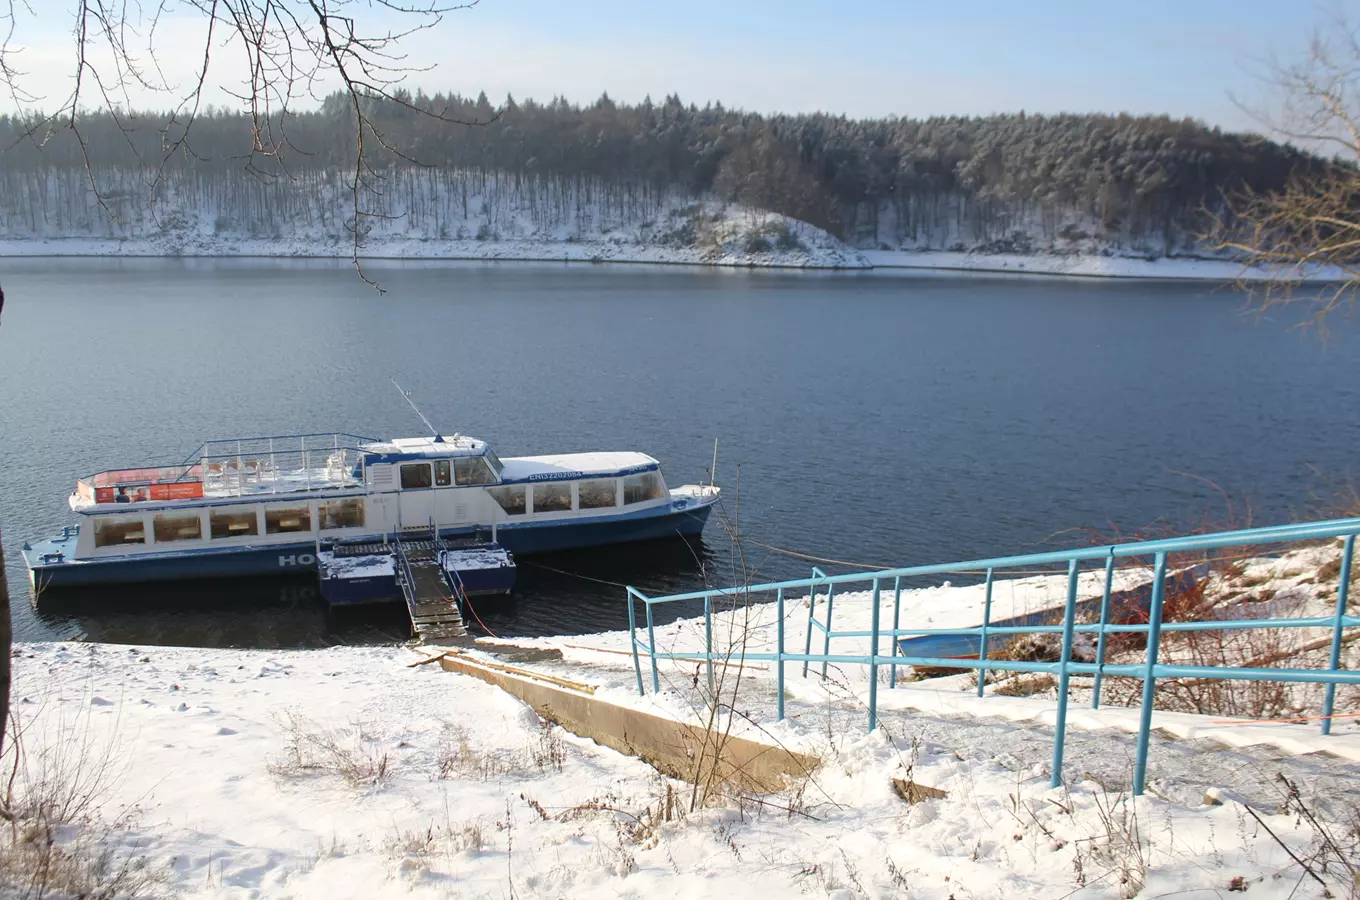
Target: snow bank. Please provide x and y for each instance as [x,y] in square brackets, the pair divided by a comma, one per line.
[476,801]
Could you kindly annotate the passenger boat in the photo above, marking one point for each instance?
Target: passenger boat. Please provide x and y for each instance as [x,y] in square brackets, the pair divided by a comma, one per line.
[254,506]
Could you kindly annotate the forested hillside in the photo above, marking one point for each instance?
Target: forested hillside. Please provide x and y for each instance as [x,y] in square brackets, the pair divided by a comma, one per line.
[559,171]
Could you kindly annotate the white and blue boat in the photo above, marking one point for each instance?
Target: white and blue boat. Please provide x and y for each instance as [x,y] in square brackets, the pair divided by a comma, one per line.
[258,506]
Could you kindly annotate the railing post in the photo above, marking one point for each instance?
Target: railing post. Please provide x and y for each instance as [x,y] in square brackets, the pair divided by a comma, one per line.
[708,640]
[982,642]
[1064,673]
[897,622]
[873,665]
[1154,639]
[1342,593]
[632,639]
[1100,636]
[812,611]
[826,633]
[779,654]
[651,646]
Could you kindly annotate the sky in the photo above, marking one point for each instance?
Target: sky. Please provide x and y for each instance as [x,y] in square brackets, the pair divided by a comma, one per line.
[865,58]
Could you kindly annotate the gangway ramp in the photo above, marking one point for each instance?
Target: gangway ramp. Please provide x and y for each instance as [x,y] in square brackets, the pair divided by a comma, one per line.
[431,601]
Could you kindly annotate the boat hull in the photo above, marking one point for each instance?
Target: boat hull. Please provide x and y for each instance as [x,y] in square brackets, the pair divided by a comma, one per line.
[276,559]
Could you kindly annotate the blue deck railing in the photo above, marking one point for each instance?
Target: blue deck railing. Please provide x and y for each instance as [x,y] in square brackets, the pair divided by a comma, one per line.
[1113,618]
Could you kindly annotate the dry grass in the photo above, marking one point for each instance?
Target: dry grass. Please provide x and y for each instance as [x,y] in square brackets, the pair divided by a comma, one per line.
[353,753]
[455,837]
[545,752]
[1026,685]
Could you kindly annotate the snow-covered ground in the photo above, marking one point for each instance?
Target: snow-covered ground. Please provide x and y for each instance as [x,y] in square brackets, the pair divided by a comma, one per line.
[1077,264]
[349,773]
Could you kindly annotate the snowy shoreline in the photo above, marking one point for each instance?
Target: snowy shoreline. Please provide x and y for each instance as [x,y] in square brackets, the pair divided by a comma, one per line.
[361,772]
[601,252]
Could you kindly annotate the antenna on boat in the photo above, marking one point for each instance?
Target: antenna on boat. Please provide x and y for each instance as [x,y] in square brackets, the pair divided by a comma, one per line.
[407,397]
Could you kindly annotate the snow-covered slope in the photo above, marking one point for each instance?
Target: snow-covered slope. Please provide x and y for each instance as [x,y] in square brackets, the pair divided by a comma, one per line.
[417,213]
[343,773]
[410,213]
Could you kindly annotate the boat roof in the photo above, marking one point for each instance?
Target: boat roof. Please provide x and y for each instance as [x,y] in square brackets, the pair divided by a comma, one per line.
[575,465]
[437,446]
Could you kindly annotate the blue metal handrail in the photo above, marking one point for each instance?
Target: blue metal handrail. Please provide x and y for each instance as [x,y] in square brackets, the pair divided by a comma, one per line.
[1149,670]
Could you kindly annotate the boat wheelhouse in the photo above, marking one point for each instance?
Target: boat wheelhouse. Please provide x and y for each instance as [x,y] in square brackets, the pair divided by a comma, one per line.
[254,506]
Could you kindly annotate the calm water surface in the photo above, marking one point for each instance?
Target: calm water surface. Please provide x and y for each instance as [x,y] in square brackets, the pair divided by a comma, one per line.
[876,418]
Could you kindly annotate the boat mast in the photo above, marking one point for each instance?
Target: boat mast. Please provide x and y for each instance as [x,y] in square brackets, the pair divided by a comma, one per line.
[407,397]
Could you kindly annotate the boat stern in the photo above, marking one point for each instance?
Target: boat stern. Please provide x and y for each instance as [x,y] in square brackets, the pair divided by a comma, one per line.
[694,502]
[43,557]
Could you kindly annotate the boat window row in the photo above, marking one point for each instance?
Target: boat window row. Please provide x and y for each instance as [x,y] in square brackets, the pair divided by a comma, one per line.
[592,493]
[443,472]
[229,522]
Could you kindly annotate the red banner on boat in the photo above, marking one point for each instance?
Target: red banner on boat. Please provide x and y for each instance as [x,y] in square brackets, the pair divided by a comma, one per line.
[179,490]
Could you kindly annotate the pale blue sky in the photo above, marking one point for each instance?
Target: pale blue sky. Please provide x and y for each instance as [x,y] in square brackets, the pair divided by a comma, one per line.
[866,58]
[876,57]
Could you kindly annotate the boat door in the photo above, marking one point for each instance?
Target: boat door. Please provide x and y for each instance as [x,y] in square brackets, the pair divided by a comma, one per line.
[417,493]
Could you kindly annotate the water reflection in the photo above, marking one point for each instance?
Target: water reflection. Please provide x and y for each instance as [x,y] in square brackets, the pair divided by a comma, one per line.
[564,593]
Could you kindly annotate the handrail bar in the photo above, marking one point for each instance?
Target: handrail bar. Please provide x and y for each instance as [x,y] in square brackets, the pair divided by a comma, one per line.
[1149,670]
[1271,535]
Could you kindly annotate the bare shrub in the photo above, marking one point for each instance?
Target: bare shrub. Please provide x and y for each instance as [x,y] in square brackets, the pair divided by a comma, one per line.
[352,753]
[41,860]
[56,786]
[548,751]
[1335,853]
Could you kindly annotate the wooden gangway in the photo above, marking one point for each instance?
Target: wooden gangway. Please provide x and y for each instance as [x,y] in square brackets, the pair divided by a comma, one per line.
[430,600]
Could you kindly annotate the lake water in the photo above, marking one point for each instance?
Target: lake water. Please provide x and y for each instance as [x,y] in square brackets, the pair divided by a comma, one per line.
[876,418]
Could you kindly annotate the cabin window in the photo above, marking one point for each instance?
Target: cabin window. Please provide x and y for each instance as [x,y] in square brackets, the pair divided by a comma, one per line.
[116,531]
[282,518]
[644,487]
[600,493]
[443,475]
[415,475]
[177,527]
[233,522]
[554,496]
[472,471]
[494,462]
[348,513]
[511,498]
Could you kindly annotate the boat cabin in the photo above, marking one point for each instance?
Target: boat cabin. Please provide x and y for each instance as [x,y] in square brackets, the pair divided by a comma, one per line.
[301,489]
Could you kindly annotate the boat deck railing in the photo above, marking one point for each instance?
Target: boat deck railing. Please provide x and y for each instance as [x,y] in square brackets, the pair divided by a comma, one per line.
[1180,554]
[241,467]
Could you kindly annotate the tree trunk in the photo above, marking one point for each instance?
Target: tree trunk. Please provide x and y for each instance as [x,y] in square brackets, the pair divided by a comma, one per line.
[5,638]
[6,630]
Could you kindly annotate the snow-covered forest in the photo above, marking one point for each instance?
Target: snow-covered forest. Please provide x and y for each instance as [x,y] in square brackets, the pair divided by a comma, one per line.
[697,180]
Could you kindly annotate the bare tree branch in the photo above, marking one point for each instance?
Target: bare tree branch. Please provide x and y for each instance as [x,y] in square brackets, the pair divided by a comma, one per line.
[1310,228]
[294,51]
